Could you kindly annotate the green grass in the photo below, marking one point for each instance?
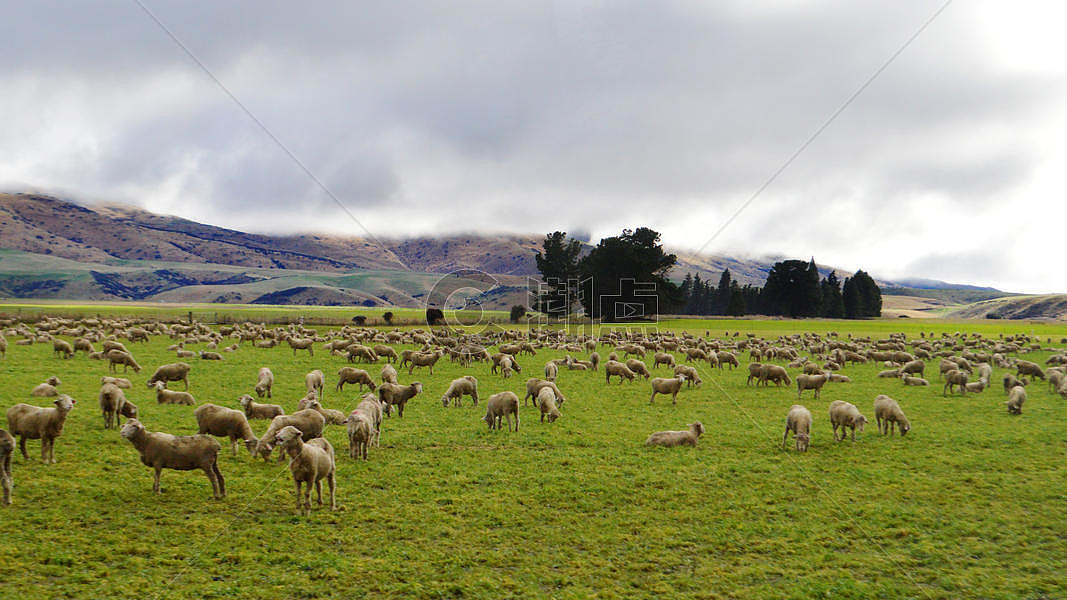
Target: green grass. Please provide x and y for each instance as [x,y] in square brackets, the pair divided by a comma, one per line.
[969,504]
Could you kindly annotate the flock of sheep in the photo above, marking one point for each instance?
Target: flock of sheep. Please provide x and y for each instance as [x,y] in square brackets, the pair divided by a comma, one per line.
[299,435]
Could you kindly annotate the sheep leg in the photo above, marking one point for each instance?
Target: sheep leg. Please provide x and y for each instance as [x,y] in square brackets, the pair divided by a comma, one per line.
[299,497]
[222,481]
[653,397]
[674,399]
[22,446]
[318,492]
[155,484]
[785,437]
[185,380]
[307,498]
[332,482]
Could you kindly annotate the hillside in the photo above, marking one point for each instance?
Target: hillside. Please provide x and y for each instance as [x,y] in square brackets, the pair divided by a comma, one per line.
[1050,306]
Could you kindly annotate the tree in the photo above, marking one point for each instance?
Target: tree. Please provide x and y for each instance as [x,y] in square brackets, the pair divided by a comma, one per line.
[811,291]
[832,303]
[722,294]
[861,296]
[387,316]
[558,265]
[628,276]
[434,316]
[359,320]
[517,312]
[736,306]
[789,290]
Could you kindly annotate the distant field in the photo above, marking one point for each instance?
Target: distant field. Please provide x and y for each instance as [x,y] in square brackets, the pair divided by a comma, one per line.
[967,505]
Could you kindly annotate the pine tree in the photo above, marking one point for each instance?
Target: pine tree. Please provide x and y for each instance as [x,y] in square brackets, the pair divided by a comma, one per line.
[812,294]
[832,303]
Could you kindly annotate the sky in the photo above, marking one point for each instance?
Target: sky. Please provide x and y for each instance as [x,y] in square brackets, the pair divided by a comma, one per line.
[422,118]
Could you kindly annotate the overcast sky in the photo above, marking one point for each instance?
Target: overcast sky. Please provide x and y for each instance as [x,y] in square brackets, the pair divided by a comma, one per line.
[426,118]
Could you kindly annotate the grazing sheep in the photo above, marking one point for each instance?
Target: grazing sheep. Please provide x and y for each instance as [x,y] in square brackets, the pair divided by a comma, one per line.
[1015,400]
[728,358]
[799,422]
[546,401]
[118,357]
[178,371]
[117,381]
[463,386]
[303,402]
[845,415]
[551,371]
[397,395]
[386,351]
[1011,381]
[62,348]
[500,406]
[356,376]
[226,422]
[182,453]
[310,422]
[332,416]
[264,382]
[619,370]
[909,380]
[691,375]
[638,367]
[665,386]
[888,416]
[7,448]
[370,407]
[663,358]
[113,403]
[36,423]
[594,359]
[1055,379]
[1025,367]
[811,382]
[839,378]
[914,367]
[360,433]
[254,410]
[311,463]
[955,378]
[388,375]
[977,387]
[420,359]
[302,344]
[670,439]
[754,370]
[775,373]
[165,396]
[314,382]
[534,386]
[47,389]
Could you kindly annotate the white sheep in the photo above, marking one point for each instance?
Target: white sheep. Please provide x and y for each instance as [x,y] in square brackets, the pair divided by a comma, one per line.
[36,423]
[113,403]
[669,439]
[662,385]
[889,416]
[1015,400]
[264,382]
[551,371]
[178,371]
[462,386]
[46,389]
[546,401]
[355,376]
[310,422]
[500,406]
[397,395]
[691,375]
[165,396]
[255,410]
[311,463]
[314,382]
[619,370]
[225,422]
[916,381]
[360,433]
[332,416]
[182,453]
[799,422]
[811,382]
[845,415]
[388,375]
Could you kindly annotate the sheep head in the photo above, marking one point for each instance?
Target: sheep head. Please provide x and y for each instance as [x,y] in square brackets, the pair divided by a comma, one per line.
[64,403]
[287,434]
[802,440]
[131,428]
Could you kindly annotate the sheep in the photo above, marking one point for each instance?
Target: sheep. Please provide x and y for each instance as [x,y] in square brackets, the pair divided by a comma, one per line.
[463,386]
[332,416]
[691,375]
[264,382]
[390,394]
[663,358]
[36,423]
[62,348]
[594,359]
[113,403]
[420,359]
[888,416]
[386,351]
[500,359]
[210,355]
[909,380]
[546,401]
[754,370]
[977,387]
[774,373]
[670,439]
[534,387]
[728,358]
[118,357]
[500,406]
[46,389]
[357,376]
[360,433]
[303,402]
[178,371]
[371,408]
[117,381]
[619,370]
[311,463]
[845,415]
[889,374]
[302,344]
[7,448]
[388,375]
[811,382]
[1025,367]
[225,422]
[314,382]
[165,396]
[182,453]
[638,367]
[672,386]
[1015,400]
[914,367]
[839,378]
[310,422]
[551,371]
[255,410]
[1055,379]
[799,422]
[955,378]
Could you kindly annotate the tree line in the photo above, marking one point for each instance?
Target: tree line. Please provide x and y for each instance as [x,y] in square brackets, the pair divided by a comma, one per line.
[624,278]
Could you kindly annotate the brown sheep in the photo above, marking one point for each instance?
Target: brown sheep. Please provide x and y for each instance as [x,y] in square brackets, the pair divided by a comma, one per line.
[888,416]
[36,423]
[182,453]
[811,382]
[356,376]
[225,422]
[255,410]
[397,395]
[113,403]
[7,448]
[178,371]
[500,406]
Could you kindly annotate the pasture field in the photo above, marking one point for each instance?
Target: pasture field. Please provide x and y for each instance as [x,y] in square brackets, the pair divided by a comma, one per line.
[970,504]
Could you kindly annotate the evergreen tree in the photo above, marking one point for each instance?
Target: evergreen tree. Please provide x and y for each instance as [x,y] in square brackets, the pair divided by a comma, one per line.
[722,294]
[616,265]
[812,293]
[862,297]
[558,265]
[850,298]
[832,303]
[788,290]
[736,306]
[693,306]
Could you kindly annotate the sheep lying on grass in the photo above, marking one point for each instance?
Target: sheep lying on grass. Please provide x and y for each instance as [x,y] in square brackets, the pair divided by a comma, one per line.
[7,448]
[178,371]
[332,415]
[888,416]
[358,377]
[117,381]
[264,382]
[310,422]
[165,396]
[670,439]
[500,406]
[182,453]
[311,463]
[799,422]
[462,386]
[226,422]
[255,410]
[845,415]
[1015,400]
[36,423]
[113,403]
[909,380]
[672,386]
[46,389]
